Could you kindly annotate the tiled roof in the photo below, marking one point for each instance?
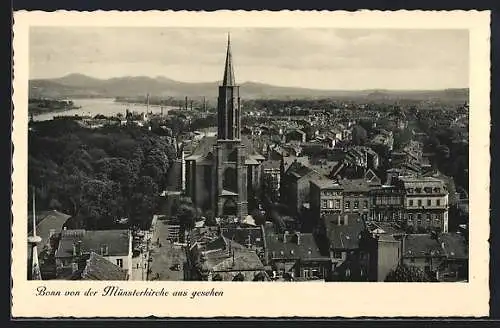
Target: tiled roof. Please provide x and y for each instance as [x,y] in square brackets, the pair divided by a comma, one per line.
[307,249]
[204,147]
[421,182]
[46,221]
[117,242]
[243,260]
[344,236]
[242,235]
[419,245]
[455,245]
[299,171]
[326,184]
[98,268]
[355,185]
[271,164]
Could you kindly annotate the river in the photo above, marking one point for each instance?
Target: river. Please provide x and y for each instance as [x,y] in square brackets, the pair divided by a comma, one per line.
[104,106]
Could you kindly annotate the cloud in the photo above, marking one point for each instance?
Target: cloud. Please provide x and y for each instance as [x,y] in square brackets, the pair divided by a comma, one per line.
[193,54]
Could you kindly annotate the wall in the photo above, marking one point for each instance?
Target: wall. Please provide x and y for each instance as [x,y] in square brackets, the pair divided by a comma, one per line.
[127,261]
[362,201]
[388,257]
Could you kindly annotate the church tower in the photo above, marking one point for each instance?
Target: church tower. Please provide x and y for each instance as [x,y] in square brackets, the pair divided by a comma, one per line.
[231,176]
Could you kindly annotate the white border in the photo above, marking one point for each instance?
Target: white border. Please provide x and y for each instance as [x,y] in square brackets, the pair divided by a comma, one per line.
[269,299]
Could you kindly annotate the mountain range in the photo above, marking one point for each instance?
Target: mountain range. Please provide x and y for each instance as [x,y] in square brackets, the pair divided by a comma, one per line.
[80,85]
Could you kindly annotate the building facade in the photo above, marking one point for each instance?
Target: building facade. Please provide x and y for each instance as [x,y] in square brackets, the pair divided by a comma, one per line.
[425,202]
[326,197]
[386,204]
[356,194]
[113,245]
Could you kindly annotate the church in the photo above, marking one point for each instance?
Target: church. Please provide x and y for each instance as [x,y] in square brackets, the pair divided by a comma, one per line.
[223,172]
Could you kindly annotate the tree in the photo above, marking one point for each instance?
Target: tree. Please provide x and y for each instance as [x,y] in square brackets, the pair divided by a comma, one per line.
[260,277]
[443,151]
[259,218]
[359,135]
[186,215]
[210,218]
[239,277]
[402,138]
[405,273]
[217,277]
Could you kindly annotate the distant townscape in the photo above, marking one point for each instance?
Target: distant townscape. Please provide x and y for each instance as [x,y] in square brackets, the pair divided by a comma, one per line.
[204,182]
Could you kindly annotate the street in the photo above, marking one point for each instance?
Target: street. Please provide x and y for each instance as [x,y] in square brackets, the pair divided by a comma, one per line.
[165,257]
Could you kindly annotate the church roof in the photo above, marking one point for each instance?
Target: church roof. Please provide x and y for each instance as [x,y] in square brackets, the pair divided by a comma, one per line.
[206,147]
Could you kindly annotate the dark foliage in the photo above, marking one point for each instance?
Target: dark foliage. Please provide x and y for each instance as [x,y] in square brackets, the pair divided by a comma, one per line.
[99,176]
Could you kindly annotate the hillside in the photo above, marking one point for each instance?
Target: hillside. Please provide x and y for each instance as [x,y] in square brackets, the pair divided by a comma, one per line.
[79,85]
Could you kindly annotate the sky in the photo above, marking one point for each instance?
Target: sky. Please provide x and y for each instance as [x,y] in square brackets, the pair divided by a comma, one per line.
[340,59]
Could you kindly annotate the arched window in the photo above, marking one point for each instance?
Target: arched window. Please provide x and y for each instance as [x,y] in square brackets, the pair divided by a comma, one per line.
[230,182]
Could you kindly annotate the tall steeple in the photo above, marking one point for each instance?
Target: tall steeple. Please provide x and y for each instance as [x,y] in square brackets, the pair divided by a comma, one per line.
[228,70]
[34,272]
[228,106]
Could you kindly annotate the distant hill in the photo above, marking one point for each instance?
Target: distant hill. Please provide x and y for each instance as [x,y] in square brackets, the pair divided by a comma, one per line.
[79,85]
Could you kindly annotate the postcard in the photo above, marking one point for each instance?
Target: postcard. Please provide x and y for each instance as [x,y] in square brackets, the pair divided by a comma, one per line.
[250,164]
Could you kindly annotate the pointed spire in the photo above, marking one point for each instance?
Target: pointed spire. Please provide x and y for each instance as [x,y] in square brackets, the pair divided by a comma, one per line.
[34,213]
[33,240]
[228,71]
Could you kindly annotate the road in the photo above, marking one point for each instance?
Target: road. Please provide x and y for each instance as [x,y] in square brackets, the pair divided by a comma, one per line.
[164,257]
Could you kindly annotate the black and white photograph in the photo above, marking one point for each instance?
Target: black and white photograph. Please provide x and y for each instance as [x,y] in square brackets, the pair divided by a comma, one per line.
[248,154]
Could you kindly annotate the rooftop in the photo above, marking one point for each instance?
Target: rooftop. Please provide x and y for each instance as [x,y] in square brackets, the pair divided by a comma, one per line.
[326,184]
[419,245]
[116,241]
[98,268]
[45,222]
[355,185]
[344,236]
[307,248]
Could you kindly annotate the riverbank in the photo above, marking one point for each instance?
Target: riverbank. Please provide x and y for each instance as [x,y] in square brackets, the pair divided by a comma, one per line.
[43,110]
[43,106]
[153,102]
